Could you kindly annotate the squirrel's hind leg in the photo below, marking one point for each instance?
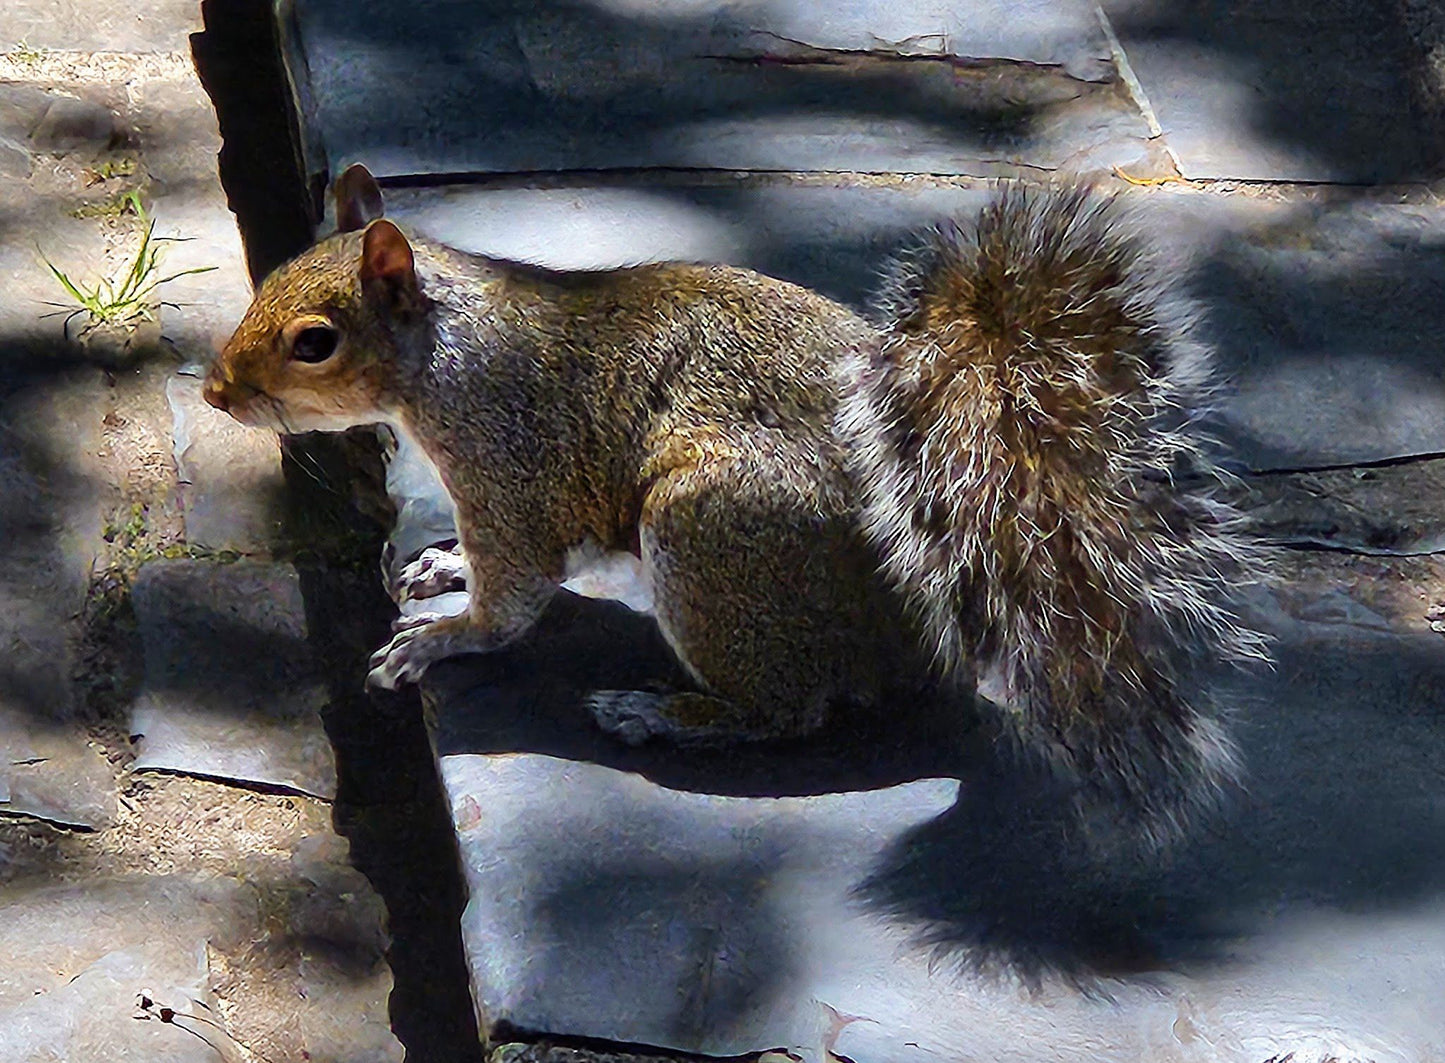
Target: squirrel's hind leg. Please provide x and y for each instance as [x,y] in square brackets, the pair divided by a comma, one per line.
[757,599]
[683,718]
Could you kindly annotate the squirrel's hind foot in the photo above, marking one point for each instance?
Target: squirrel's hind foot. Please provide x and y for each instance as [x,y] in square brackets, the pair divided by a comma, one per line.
[683,719]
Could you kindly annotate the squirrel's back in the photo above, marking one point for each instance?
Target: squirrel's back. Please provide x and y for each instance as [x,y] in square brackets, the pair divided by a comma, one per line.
[1034,484]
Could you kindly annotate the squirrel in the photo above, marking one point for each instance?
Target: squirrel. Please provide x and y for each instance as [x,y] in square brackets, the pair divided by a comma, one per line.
[994,481]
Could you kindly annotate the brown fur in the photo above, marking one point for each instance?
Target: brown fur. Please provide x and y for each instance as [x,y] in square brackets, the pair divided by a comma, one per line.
[998,453]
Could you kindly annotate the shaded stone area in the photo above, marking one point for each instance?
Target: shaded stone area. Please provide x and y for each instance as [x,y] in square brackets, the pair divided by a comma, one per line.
[231,690]
[1280,90]
[1322,306]
[50,526]
[235,914]
[979,89]
[641,897]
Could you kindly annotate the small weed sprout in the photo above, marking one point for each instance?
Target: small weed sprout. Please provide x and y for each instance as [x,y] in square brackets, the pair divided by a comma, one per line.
[128,300]
[27,54]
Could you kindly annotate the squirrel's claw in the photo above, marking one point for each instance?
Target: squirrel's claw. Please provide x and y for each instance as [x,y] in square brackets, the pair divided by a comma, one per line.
[420,641]
[435,571]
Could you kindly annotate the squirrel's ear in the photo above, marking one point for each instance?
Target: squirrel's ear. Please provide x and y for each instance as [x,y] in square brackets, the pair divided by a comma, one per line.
[358,199]
[387,264]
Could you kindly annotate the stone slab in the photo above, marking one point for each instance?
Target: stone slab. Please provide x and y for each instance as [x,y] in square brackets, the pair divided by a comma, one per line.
[1389,510]
[83,25]
[840,898]
[230,687]
[1301,90]
[78,957]
[868,86]
[1303,297]
[230,479]
[285,968]
[50,501]
[52,771]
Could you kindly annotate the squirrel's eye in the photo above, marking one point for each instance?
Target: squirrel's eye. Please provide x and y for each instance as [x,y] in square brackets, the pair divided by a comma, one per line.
[314,344]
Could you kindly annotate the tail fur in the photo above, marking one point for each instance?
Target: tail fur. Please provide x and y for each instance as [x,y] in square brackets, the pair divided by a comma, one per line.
[1022,438]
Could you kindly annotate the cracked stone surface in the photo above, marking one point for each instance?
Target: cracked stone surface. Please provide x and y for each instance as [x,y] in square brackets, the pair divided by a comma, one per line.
[230,689]
[1290,90]
[1301,295]
[616,894]
[872,87]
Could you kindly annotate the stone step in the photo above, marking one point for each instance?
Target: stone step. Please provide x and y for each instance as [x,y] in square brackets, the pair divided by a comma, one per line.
[231,689]
[1304,297]
[870,86]
[844,897]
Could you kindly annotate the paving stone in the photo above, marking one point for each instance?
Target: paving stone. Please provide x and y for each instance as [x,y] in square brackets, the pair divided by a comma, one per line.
[1322,313]
[14,160]
[79,956]
[50,524]
[653,897]
[69,124]
[230,687]
[147,26]
[1302,296]
[311,939]
[21,109]
[230,476]
[52,772]
[51,120]
[872,86]
[175,128]
[1279,90]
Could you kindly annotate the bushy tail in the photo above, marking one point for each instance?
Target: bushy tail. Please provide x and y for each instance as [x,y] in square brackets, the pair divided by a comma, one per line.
[1022,438]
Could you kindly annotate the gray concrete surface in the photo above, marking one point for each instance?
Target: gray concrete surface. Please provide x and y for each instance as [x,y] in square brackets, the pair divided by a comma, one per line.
[231,690]
[668,899]
[876,87]
[1322,311]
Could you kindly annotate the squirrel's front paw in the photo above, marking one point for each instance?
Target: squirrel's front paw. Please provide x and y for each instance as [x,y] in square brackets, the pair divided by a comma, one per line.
[420,642]
[435,571]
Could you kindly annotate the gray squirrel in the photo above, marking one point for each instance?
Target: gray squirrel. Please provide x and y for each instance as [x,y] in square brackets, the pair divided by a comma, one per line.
[977,485]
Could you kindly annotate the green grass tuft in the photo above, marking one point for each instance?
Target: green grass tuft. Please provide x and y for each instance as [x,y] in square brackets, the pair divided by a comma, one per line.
[129,299]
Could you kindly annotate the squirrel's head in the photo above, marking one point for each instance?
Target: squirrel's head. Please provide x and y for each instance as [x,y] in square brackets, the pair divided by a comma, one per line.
[316,347]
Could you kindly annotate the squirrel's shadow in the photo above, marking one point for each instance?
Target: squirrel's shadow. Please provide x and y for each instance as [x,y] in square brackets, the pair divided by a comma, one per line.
[1342,743]
[995,880]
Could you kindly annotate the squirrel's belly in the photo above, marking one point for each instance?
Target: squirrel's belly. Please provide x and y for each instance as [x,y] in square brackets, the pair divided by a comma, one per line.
[594,572]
